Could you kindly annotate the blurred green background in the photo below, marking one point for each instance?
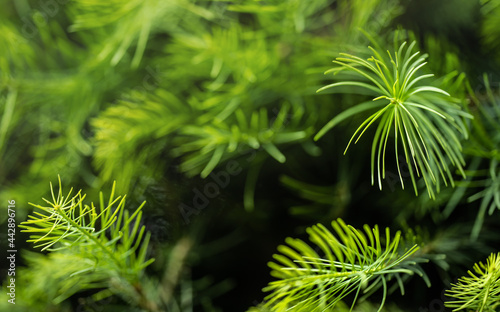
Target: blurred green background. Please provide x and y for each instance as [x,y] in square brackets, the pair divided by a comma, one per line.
[173,99]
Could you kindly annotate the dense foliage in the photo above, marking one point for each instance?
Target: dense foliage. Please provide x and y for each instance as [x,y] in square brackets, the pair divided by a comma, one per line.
[226,125]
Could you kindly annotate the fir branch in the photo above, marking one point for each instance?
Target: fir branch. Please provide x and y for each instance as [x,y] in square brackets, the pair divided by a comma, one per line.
[109,240]
[137,128]
[421,120]
[204,147]
[122,24]
[480,291]
[353,262]
[483,148]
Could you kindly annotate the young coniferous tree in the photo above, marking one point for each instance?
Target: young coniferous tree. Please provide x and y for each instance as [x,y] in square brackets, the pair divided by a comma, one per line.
[164,96]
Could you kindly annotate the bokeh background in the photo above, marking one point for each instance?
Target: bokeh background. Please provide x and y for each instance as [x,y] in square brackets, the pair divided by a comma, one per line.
[177,98]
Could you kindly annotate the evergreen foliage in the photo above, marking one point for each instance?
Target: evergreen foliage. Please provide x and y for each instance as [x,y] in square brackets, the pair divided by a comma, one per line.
[164,97]
[351,261]
[98,247]
[426,125]
[480,291]
[483,148]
